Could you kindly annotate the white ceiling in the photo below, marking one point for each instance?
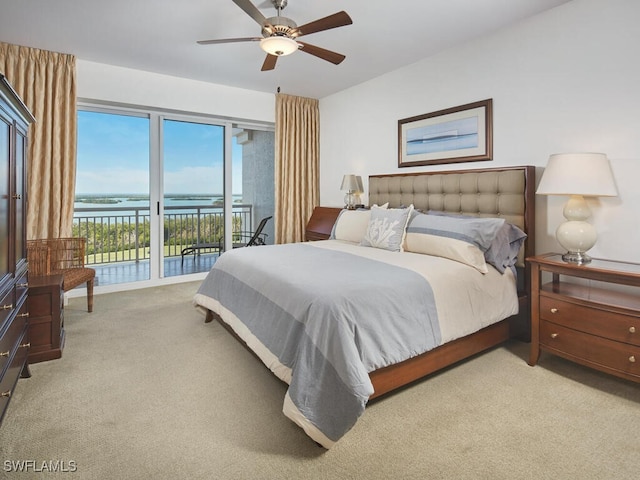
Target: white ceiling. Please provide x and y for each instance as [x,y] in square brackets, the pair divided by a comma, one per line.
[160,36]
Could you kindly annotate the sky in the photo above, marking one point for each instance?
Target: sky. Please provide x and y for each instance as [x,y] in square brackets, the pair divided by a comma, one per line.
[113,156]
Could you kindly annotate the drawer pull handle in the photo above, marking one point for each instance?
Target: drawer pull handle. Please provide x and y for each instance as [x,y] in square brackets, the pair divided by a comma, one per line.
[7,307]
[554,310]
[4,354]
[632,329]
[26,345]
[632,359]
[554,335]
[6,394]
[23,315]
[22,285]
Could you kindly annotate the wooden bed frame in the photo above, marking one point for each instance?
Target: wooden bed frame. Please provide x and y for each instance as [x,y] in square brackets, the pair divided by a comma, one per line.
[395,376]
[434,185]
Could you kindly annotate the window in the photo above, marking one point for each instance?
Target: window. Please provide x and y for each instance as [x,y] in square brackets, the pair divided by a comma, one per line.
[151,184]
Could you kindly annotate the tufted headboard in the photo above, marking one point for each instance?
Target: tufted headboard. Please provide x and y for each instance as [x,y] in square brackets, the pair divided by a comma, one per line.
[507,192]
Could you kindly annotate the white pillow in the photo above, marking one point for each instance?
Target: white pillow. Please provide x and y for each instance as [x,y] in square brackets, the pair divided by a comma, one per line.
[351,225]
[446,247]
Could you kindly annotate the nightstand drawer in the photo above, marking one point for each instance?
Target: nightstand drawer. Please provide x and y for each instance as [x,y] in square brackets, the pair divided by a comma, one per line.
[591,319]
[589,349]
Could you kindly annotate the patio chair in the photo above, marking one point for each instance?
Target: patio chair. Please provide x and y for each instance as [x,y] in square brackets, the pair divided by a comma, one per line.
[252,239]
[62,256]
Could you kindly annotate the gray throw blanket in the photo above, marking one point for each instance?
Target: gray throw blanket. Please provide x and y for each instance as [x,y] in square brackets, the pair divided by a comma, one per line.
[331,317]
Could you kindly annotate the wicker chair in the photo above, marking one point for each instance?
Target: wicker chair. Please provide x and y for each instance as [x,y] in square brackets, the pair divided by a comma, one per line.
[62,256]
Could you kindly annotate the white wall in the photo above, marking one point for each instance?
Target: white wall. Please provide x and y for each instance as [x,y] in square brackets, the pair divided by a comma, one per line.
[97,81]
[565,80]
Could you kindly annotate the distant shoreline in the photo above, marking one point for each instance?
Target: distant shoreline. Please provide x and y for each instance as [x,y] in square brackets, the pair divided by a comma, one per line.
[135,201]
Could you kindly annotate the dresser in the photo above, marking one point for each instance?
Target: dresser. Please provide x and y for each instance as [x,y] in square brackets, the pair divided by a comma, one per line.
[589,314]
[46,317]
[14,344]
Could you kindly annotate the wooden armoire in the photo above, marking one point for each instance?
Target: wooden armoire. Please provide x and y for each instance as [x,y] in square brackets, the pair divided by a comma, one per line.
[14,344]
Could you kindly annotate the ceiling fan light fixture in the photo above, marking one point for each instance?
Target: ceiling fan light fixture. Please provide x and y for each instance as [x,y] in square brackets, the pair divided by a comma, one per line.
[279,45]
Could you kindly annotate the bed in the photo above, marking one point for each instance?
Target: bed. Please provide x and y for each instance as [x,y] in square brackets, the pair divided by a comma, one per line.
[383,296]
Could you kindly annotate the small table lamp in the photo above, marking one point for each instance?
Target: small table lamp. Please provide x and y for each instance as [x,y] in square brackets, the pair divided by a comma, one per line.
[353,185]
[577,175]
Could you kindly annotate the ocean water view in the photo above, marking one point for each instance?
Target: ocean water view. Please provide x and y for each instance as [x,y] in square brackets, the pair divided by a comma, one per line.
[127,204]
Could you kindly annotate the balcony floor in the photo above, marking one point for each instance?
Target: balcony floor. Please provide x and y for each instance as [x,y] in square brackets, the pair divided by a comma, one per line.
[125,272]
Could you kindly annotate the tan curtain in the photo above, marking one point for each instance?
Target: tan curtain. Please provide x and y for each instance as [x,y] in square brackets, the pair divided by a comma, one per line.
[297,165]
[46,82]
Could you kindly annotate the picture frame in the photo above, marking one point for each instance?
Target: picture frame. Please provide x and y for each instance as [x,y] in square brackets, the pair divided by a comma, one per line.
[458,134]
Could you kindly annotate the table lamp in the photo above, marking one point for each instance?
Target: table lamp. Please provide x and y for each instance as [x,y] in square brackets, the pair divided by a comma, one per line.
[353,185]
[577,175]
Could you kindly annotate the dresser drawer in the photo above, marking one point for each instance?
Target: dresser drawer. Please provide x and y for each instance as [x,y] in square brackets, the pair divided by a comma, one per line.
[7,304]
[10,335]
[591,319]
[22,287]
[589,349]
[11,375]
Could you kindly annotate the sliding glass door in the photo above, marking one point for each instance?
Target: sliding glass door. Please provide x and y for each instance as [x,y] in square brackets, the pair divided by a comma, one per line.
[193,195]
[163,195]
[112,194]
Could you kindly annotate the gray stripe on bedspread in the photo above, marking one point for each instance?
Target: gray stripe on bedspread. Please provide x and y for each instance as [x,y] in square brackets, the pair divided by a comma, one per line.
[329,316]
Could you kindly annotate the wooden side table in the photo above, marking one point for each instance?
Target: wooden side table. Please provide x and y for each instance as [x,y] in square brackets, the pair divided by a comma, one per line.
[594,325]
[321,223]
[46,318]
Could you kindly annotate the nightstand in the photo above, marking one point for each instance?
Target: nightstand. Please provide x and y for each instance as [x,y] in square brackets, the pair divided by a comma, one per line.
[597,326]
[321,223]
[46,317]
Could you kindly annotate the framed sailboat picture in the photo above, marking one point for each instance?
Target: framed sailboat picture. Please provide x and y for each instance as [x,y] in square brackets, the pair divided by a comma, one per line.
[458,134]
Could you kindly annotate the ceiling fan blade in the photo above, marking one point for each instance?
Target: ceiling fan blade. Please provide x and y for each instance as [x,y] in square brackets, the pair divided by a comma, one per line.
[251,10]
[339,19]
[229,40]
[328,55]
[269,62]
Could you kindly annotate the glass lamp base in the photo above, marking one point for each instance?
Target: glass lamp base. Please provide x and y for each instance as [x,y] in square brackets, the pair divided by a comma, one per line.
[580,258]
[349,203]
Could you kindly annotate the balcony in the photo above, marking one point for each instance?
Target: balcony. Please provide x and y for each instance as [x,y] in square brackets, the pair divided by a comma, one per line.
[118,239]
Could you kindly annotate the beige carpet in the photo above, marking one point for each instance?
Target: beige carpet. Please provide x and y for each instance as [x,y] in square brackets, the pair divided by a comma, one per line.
[146,390]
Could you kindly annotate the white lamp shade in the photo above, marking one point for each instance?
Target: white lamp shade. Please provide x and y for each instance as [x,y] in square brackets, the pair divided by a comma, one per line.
[278,45]
[587,174]
[577,175]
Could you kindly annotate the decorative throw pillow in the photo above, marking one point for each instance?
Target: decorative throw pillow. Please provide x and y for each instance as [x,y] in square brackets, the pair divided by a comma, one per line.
[386,228]
[505,247]
[461,239]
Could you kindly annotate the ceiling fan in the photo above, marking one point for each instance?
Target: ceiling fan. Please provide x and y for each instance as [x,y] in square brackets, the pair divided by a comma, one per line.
[279,34]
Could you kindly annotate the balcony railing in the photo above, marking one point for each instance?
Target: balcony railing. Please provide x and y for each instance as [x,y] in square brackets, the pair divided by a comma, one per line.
[122,234]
